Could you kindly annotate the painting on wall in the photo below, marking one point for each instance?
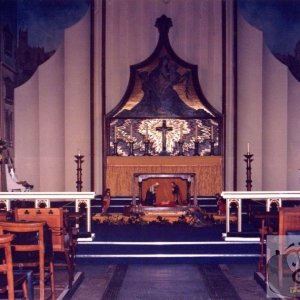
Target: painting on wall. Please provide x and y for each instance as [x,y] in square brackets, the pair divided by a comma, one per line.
[38,29]
[279,20]
[164,89]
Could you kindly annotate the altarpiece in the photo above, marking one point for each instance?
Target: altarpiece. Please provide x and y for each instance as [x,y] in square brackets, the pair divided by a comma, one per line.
[163,124]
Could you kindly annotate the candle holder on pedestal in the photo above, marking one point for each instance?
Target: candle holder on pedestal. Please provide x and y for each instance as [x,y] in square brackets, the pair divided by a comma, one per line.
[131,153]
[3,146]
[115,150]
[212,147]
[79,161]
[180,145]
[196,151]
[147,144]
[248,159]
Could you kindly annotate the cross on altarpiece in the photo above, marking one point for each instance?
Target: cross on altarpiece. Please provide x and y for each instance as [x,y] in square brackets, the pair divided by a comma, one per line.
[164,129]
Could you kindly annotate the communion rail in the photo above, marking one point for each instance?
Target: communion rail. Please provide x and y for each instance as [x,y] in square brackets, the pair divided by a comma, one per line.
[44,199]
[270,197]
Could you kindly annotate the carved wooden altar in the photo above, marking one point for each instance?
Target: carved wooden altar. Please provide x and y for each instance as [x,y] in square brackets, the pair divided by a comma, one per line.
[208,169]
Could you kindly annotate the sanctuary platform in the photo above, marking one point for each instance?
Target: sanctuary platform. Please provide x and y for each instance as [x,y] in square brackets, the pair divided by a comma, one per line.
[163,235]
[136,243]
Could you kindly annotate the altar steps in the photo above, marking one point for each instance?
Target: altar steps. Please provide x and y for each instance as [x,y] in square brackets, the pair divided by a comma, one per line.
[135,243]
[164,244]
[167,252]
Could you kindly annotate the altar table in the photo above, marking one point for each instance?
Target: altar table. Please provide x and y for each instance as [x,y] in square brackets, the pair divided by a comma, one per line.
[120,171]
[271,197]
[46,198]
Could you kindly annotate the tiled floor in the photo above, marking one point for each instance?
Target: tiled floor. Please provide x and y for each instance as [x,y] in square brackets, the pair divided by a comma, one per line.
[163,282]
[168,282]
[178,281]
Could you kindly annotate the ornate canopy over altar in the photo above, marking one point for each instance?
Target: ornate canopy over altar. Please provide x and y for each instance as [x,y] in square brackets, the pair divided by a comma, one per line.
[163,124]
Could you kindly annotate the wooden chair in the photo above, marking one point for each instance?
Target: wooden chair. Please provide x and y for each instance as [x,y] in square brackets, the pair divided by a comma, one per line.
[8,281]
[63,236]
[269,225]
[31,250]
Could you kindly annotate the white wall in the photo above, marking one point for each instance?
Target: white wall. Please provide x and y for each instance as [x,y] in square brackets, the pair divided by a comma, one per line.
[51,123]
[52,112]
[27,144]
[249,98]
[268,115]
[292,141]
[274,130]
[77,102]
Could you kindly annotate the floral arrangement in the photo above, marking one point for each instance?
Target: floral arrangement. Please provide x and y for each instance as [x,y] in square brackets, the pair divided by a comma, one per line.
[193,216]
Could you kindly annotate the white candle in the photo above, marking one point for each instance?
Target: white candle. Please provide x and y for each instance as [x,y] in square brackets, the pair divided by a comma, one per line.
[79,154]
[115,134]
[181,132]
[248,148]
[196,133]
[212,132]
[131,131]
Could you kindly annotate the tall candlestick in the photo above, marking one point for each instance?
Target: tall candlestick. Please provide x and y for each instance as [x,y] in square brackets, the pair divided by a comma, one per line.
[248,159]
[146,132]
[181,132]
[79,161]
[212,132]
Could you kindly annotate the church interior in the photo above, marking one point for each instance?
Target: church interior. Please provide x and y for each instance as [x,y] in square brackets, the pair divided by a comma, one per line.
[154,137]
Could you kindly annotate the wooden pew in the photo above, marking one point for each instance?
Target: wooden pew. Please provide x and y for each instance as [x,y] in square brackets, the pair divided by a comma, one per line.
[289,224]
[289,219]
[63,237]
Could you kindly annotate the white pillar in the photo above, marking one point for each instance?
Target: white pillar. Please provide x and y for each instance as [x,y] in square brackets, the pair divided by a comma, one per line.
[274,140]
[51,123]
[77,116]
[250,80]
[27,132]
[293,137]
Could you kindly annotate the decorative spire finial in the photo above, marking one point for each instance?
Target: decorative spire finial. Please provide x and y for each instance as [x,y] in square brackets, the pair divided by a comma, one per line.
[163,24]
